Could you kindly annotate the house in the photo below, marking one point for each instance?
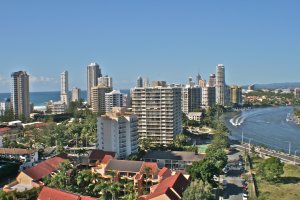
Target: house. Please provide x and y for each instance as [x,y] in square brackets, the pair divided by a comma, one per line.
[171,188]
[31,177]
[174,160]
[56,194]
[141,174]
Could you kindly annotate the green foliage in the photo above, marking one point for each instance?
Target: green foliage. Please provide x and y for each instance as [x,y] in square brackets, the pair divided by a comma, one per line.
[9,169]
[271,169]
[198,191]
[27,194]
[203,170]
[180,140]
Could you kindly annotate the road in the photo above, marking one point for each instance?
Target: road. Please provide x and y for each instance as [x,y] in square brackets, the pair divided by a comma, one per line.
[234,187]
[284,157]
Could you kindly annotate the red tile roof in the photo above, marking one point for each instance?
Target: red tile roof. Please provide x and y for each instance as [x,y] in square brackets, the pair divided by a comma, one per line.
[97,154]
[4,129]
[38,125]
[106,159]
[165,172]
[87,198]
[55,194]
[153,166]
[177,182]
[44,168]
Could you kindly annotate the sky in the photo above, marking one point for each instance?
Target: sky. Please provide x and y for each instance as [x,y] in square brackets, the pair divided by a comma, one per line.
[257,41]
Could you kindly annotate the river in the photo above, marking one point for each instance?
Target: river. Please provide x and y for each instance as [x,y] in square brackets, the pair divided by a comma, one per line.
[265,126]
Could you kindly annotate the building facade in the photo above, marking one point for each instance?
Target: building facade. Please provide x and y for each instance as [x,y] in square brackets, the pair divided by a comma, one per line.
[64,88]
[191,97]
[208,96]
[220,85]
[297,92]
[76,94]
[236,95]
[159,112]
[93,73]
[139,82]
[212,80]
[57,107]
[4,106]
[20,94]
[106,81]
[98,98]
[113,99]
[117,131]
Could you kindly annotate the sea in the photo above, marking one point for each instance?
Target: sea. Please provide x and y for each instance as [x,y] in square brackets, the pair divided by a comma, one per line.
[40,99]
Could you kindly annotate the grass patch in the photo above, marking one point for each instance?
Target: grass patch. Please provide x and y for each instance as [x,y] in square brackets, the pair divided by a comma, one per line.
[287,188]
[202,148]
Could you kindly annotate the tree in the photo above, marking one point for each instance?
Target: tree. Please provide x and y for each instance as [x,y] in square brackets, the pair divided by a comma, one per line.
[217,156]
[271,169]
[203,170]
[198,191]
[180,140]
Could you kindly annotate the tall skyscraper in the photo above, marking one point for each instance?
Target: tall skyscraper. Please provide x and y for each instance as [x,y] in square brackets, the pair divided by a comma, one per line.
[212,80]
[198,78]
[139,82]
[106,81]
[202,83]
[113,99]
[117,132]
[235,95]
[220,85]
[64,88]
[98,98]
[93,73]
[297,92]
[159,112]
[20,94]
[76,94]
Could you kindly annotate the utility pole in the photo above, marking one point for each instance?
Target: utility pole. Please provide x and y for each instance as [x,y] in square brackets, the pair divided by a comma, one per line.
[250,145]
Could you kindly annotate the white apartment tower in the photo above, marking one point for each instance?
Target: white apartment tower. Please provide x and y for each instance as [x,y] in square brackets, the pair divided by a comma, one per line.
[117,131]
[113,99]
[64,88]
[20,94]
[220,85]
[159,112]
[76,94]
[93,73]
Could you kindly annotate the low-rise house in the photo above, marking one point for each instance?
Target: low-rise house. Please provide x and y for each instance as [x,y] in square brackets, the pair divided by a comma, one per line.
[195,116]
[31,177]
[56,194]
[174,160]
[25,155]
[142,174]
[171,188]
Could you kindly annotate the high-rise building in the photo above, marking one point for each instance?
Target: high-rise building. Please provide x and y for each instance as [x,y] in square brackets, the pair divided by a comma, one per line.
[76,94]
[117,131]
[159,112]
[191,97]
[113,99]
[212,80]
[198,78]
[64,88]
[98,98]
[139,82]
[20,94]
[297,92]
[202,83]
[251,87]
[220,85]
[93,73]
[56,107]
[146,83]
[208,96]
[4,106]
[106,81]
[236,95]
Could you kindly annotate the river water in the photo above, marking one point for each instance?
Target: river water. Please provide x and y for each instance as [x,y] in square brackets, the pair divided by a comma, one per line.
[265,126]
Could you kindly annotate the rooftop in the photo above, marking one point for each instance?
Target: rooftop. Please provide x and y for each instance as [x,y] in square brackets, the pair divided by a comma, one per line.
[124,165]
[174,155]
[97,154]
[44,168]
[15,151]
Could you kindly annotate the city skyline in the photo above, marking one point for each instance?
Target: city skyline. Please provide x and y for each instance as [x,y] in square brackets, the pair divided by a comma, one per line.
[257,42]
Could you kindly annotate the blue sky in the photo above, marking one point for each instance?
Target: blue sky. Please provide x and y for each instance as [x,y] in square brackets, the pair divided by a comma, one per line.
[257,41]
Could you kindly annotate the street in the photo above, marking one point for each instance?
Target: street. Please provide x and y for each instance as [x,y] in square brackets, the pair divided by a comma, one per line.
[234,188]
